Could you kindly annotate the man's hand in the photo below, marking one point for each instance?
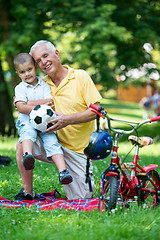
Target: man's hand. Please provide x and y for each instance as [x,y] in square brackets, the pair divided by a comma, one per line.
[63,120]
[60,122]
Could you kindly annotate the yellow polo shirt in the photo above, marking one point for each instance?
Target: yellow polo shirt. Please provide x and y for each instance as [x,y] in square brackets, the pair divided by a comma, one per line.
[74,94]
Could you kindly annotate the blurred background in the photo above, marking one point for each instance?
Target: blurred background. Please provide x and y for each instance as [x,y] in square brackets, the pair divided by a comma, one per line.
[116,42]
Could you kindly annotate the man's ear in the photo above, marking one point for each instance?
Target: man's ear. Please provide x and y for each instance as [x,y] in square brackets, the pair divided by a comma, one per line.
[57,54]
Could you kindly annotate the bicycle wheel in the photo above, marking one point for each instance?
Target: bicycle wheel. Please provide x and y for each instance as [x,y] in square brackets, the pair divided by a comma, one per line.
[108,198]
[147,197]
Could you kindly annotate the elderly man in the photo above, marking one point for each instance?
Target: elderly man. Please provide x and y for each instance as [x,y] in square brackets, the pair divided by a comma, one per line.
[73,91]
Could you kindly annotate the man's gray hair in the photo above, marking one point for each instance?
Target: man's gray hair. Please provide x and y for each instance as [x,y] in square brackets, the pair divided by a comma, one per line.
[48,44]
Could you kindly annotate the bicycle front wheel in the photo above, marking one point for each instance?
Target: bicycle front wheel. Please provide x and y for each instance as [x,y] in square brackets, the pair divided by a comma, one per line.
[108,199]
[148,194]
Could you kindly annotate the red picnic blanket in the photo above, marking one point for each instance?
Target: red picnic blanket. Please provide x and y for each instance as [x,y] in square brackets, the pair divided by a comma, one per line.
[47,201]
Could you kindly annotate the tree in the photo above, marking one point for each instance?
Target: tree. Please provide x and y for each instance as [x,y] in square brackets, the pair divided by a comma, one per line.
[96,35]
[107,35]
[17,25]
[7,125]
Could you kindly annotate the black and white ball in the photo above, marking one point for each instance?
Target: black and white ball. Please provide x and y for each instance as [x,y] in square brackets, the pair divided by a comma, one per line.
[39,117]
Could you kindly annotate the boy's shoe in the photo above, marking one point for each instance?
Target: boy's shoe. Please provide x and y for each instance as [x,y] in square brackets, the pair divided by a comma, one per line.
[65,177]
[28,161]
[26,196]
[23,196]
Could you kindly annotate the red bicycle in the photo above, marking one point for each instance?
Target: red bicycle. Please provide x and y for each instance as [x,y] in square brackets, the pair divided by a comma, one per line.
[122,182]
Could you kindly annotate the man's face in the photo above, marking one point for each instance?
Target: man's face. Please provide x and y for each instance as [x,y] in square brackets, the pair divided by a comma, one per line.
[47,60]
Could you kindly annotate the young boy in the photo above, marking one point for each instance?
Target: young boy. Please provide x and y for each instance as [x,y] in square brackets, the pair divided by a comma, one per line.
[29,93]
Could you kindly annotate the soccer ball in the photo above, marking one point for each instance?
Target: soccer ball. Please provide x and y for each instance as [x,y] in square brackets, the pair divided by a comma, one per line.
[39,117]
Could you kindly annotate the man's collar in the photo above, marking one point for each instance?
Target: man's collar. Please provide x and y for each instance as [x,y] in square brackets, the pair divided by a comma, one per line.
[69,76]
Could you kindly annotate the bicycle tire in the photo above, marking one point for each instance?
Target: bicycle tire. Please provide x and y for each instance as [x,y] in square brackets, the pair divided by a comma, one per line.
[148,199]
[108,199]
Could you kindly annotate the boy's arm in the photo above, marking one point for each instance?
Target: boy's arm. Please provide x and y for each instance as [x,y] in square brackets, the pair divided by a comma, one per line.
[26,107]
[23,107]
[47,101]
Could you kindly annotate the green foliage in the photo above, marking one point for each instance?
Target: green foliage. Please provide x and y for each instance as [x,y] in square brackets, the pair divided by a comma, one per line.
[109,35]
[97,36]
[106,35]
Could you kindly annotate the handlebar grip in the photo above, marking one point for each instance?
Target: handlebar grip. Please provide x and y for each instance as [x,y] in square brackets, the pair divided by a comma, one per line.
[98,113]
[94,107]
[96,110]
[154,119]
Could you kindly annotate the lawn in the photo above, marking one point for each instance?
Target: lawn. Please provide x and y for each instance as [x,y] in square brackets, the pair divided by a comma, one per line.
[26,224]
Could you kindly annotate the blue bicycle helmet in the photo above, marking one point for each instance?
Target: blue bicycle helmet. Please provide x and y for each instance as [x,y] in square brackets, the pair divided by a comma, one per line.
[100,145]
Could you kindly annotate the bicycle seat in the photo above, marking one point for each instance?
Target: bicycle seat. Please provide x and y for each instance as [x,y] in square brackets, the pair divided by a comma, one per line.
[141,141]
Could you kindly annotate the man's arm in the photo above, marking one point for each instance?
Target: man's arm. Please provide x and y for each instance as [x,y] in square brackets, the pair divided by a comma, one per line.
[63,120]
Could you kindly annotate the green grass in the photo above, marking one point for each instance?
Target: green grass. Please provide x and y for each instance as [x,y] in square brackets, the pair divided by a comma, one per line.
[27,224]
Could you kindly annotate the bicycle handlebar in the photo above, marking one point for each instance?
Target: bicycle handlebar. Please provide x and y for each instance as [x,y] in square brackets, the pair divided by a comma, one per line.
[94,107]
[100,112]
[154,119]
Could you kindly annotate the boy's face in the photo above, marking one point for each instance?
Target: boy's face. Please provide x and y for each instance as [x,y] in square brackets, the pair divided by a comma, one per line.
[27,72]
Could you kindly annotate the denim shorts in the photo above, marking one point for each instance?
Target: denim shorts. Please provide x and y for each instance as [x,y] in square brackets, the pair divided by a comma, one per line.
[50,141]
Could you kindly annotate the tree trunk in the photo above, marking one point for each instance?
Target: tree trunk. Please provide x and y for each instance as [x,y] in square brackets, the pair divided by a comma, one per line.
[7,124]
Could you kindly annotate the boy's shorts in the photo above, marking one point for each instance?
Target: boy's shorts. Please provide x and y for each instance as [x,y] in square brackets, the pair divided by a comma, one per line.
[49,140]
[26,131]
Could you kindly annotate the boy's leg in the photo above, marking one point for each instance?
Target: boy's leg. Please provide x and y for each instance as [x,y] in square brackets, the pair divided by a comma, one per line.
[26,175]
[27,135]
[28,159]
[54,151]
[27,146]
[64,176]
[59,162]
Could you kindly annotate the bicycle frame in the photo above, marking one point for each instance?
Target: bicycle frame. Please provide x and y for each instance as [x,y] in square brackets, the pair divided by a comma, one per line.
[131,185]
[130,179]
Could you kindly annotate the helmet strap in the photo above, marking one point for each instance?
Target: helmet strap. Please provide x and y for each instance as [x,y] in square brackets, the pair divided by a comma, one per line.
[97,118]
[88,179]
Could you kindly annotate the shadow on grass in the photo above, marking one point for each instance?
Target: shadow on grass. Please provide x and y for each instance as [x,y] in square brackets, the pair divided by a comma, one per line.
[129,115]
